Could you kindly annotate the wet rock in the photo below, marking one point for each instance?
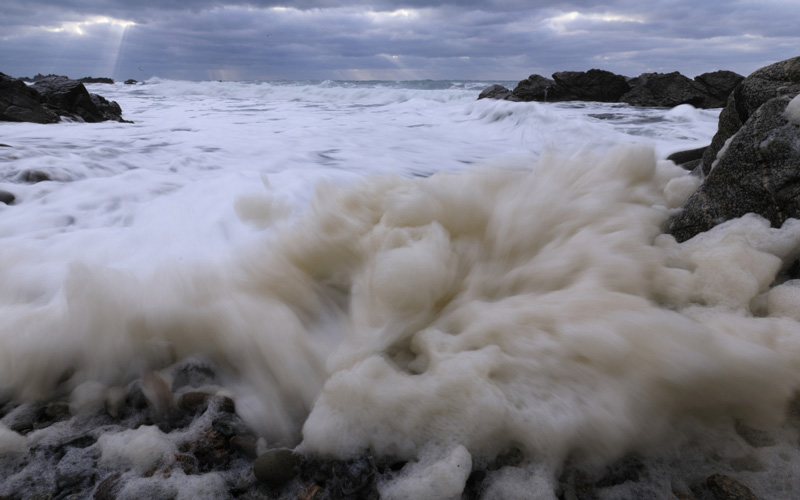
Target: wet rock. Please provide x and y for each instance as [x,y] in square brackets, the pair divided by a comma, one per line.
[345,479]
[92,79]
[726,488]
[593,85]
[781,78]
[33,176]
[541,89]
[21,103]
[758,172]
[187,463]
[277,466]
[57,409]
[6,197]
[193,372]
[130,81]
[246,445]
[754,437]
[686,159]
[495,92]
[211,450]
[70,98]
[630,468]
[108,487]
[76,470]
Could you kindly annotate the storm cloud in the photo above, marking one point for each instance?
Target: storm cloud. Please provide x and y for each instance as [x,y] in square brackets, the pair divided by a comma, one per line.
[388,39]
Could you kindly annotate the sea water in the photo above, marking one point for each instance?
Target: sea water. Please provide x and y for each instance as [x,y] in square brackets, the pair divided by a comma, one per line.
[395,267]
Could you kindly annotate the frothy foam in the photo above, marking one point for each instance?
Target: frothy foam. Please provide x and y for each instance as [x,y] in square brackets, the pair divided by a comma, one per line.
[531,308]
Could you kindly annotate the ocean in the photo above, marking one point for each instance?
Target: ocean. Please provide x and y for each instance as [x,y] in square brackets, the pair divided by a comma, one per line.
[396,267]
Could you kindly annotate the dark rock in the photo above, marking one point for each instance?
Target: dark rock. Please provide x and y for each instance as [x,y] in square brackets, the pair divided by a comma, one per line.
[229,424]
[211,451]
[663,90]
[727,488]
[187,463]
[194,372]
[718,85]
[630,468]
[781,78]
[345,479]
[754,437]
[130,81]
[759,172]
[683,157]
[75,470]
[495,92]
[6,197]
[540,89]
[70,98]
[246,445]
[21,103]
[277,466]
[593,85]
[33,176]
[91,79]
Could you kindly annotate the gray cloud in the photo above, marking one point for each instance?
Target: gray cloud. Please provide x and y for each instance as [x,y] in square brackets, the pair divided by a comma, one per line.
[388,39]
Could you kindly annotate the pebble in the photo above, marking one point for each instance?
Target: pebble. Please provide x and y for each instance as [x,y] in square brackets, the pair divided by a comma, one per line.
[7,198]
[726,488]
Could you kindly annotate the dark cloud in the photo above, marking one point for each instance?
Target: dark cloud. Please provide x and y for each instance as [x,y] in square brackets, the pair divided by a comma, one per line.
[388,39]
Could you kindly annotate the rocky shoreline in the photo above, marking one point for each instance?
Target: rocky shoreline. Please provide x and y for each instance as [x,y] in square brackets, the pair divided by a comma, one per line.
[709,90]
[175,433]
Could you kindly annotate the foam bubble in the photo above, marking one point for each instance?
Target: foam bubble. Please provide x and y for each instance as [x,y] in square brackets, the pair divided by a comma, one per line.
[793,110]
[139,449]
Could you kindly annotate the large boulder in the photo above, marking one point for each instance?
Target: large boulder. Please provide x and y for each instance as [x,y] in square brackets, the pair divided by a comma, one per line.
[664,90]
[593,85]
[758,172]
[781,78]
[717,86]
[21,103]
[493,92]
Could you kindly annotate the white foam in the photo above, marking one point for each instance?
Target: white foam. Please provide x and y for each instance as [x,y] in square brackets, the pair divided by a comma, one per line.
[11,442]
[438,475]
[793,110]
[139,449]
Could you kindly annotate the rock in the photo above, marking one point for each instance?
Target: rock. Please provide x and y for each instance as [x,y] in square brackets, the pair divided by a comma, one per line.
[130,81]
[541,89]
[688,158]
[21,103]
[70,98]
[6,197]
[33,176]
[277,466]
[663,90]
[781,78]
[629,468]
[727,488]
[193,401]
[758,172]
[108,487]
[75,470]
[246,445]
[593,85]
[193,372]
[495,92]
[91,79]
[718,85]
[754,437]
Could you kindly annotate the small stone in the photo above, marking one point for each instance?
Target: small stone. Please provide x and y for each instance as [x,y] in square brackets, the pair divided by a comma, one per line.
[7,198]
[187,463]
[727,488]
[277,466]
[54,410]
[107,489]
[194,372]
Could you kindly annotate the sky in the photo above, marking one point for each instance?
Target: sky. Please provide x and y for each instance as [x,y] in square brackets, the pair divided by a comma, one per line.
[492,40]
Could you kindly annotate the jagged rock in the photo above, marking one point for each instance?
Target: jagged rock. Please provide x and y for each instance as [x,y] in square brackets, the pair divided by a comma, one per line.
[70,98]
[130,81]
[495,92]
[21,103]
[781,78]
[593,85]
[758,172]
[6,197]
[663,90]
[688,159]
